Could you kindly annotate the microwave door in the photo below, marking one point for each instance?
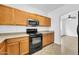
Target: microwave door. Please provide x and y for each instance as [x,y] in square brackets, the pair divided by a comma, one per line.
[33,23]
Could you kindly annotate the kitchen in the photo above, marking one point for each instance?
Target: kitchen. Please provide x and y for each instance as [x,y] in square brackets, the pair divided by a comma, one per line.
[25,32]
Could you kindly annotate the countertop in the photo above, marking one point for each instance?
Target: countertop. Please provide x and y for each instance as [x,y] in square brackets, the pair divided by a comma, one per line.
[4,36]
[43,32]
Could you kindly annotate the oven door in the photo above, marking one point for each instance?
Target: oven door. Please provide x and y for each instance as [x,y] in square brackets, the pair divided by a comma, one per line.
[35,44]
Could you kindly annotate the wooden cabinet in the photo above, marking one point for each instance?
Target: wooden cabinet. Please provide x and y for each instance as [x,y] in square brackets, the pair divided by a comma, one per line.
[45,39]
[41,21]
[48,21]
[12,16]
[24,46]
[20,17]
[2,48]
[44,21]
[32,16]
[13,48]
[6,15]
[18,46]
[48,38]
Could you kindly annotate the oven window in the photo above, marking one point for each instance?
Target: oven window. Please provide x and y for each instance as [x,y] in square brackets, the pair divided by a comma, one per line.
[36,40]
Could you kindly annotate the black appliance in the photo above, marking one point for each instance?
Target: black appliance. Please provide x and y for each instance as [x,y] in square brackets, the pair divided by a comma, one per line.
[32,22]
[78,32]
[35,40]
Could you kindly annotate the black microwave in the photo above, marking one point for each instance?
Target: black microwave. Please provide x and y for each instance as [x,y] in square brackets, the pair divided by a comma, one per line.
[33,22]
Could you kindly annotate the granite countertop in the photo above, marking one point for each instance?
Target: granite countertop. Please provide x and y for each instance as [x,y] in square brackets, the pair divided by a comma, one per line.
[4,36]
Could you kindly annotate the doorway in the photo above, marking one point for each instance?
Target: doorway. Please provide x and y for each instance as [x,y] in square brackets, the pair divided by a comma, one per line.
[62,27]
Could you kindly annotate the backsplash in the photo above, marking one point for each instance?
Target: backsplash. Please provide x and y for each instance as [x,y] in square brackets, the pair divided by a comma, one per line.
[14,29]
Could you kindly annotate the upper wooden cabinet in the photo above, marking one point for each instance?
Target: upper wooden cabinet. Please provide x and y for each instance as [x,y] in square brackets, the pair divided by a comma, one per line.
[12,16]
[6,15]
[32,16]
[20,17]
[44,21]
[48,21]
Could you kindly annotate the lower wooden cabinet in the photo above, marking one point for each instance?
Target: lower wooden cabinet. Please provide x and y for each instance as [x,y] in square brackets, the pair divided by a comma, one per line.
[18,46]
[47,38]
[50,37]
[24,46]
[13,48]
[2,48]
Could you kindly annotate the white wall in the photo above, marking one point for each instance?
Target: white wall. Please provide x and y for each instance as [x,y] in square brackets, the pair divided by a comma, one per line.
[71,24]
[55,25]
[16,29]
[12,29]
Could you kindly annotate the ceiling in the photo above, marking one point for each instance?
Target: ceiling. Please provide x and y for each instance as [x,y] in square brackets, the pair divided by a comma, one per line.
[46,7]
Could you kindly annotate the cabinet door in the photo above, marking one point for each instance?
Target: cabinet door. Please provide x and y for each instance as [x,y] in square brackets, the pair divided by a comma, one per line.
[13,48]
[41,21]
[20,17]
[45,39]
[50,38]
[6,15]
[24,46]
[19,45]
[48,21]
[2,48]
[44,21]
[33,16]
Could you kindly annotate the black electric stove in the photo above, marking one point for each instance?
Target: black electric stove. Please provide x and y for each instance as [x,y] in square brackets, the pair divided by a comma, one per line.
[35,40]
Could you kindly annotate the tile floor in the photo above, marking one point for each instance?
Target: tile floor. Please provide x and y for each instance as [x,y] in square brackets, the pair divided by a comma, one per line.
[69,46]
[52,49]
